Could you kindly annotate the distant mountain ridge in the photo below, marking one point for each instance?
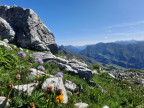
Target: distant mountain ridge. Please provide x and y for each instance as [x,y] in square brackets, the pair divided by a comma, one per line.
[126,54]
[70,54]
[76,49]
[129,42]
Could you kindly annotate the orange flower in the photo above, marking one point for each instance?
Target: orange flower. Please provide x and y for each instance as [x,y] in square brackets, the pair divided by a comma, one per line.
[59,99]
[18,76]
[32,105]
[122,80]
[10,85]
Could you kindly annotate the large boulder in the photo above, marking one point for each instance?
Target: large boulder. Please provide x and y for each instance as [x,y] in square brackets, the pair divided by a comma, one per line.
[56,83]
[6,32]
[30,32]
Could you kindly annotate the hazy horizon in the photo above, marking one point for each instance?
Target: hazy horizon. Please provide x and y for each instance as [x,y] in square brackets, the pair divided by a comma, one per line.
[100,42]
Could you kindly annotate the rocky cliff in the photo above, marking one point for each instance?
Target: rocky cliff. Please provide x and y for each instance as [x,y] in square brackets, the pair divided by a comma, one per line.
[24,28]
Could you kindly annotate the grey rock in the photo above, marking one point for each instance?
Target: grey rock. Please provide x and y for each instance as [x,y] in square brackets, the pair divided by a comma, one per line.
[80,87]
[2,102]
[91,83]
[44,56]
[73,66]
[67,68]
[81,105]
[6,32]
[35,72]
[56,83]
[94,72]
[70,86]
[25,88]
[111,75]
[30,31]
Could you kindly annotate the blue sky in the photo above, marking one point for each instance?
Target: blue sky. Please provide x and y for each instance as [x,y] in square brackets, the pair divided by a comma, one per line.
[80,22]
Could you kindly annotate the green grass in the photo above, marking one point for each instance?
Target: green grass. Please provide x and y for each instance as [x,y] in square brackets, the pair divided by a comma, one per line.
[118,94]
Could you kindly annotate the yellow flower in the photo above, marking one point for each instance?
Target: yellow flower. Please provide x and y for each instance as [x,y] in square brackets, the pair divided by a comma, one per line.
[45,71]
[100,82]
[38,76]
[124,84]
[59,98]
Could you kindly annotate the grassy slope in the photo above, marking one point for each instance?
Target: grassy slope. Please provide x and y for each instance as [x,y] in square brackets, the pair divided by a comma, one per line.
[116,94]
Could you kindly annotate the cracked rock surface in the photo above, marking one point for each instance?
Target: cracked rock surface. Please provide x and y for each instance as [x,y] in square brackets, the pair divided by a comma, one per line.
[26,29]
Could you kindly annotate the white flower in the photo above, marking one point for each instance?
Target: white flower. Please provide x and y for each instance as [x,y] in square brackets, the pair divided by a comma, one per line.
[105,106]
[20,49]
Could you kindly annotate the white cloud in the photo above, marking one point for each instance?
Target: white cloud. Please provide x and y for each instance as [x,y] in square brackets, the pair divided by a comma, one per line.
[127,24]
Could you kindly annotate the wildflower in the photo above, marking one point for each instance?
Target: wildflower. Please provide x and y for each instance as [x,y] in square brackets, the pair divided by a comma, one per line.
[59,91]
[20,49]
[124,84]
[39,60]
[10,85]
[38,76]
[18,76]
[45,71]
[32,105]
[31,70]
[100,82]
[17,71]
[22,67]
[105,106]
[41,68]
[50,90]
[59,74]
[22,54]
[30,63]
[122,80]
[27,74]
[44,94]
[27,51]
[59,99]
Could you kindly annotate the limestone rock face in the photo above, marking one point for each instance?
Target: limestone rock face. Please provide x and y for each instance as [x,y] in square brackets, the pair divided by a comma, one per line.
[26,88]
[26,29]
[72,65]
